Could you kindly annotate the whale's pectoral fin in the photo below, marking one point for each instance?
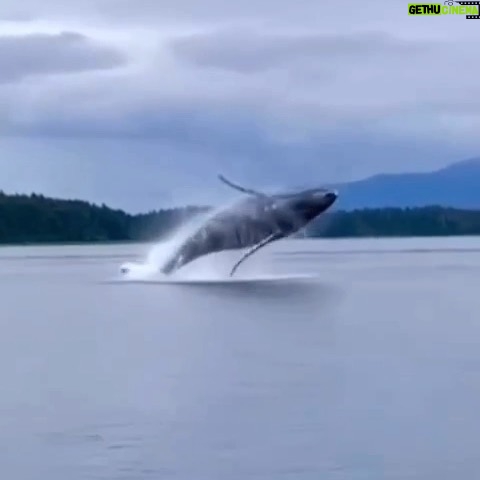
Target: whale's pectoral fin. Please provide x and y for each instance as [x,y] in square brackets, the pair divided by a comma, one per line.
[271,238]
[248,191]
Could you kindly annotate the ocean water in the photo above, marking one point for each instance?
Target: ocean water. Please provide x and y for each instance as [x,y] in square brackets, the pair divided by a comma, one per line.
[370,370]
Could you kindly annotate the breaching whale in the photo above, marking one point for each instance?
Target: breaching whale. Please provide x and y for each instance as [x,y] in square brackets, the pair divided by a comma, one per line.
[253,222]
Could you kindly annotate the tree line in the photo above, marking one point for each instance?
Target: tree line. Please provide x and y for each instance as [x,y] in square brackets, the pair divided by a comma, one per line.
[38,219]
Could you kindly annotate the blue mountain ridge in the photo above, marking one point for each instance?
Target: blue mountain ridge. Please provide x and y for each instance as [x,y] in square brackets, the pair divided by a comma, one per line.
[457,186]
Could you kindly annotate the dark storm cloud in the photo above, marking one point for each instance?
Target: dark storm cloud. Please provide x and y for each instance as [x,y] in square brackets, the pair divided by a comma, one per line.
[37,54]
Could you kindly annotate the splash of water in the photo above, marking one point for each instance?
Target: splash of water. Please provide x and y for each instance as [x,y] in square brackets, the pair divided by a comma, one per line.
[163,251]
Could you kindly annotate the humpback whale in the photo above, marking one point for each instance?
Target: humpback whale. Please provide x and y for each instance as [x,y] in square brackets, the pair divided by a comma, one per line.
[252,223]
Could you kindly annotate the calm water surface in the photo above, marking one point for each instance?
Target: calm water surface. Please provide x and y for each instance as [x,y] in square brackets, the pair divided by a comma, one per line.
[370,371]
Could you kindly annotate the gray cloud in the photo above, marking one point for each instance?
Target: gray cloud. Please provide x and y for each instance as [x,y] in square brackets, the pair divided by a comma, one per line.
[372,83]
[250,51]
[36,54]
[341,78]
[281,90]
[148,12]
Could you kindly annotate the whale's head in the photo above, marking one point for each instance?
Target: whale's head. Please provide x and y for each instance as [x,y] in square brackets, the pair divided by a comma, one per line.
[308,204]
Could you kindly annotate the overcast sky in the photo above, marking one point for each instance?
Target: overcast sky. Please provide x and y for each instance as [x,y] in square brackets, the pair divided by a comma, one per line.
[140,104]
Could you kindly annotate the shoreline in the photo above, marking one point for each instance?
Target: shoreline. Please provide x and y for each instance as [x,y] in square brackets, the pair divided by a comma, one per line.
[102,243]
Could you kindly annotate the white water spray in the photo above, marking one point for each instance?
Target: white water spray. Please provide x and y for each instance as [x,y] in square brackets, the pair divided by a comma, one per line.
[161,252]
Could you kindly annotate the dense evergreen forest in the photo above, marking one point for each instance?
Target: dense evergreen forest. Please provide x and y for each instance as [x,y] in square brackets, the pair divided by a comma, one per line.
[37,219]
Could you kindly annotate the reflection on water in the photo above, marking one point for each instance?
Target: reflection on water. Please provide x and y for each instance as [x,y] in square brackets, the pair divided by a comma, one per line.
[273,288]
[285,291]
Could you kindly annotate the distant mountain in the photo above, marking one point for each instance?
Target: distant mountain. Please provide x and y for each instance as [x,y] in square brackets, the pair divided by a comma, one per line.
[457,186]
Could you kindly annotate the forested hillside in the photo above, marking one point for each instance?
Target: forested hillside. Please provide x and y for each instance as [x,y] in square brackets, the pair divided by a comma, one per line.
[37,219]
